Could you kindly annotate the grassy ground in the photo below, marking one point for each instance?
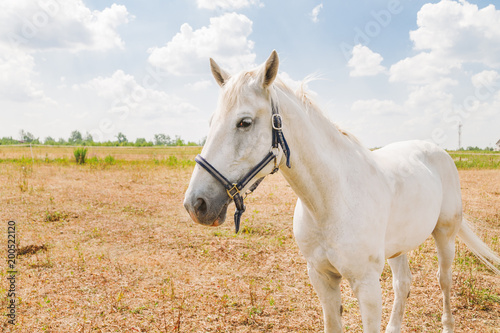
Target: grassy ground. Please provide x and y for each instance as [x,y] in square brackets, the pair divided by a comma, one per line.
[470,160]
[109,248]
[62,153]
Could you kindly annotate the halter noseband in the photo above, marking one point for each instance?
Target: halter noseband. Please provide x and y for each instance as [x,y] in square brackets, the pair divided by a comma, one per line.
[234,189]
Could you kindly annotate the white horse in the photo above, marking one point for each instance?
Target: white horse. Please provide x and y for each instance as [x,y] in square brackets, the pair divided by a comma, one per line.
[356,207]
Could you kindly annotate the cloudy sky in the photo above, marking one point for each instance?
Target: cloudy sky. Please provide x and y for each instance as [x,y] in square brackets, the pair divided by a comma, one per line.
[389,70]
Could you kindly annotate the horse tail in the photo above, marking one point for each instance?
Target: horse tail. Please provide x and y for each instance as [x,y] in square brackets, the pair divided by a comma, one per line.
[478,247]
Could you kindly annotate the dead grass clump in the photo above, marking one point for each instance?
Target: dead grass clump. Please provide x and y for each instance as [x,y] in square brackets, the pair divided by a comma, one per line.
[31,249]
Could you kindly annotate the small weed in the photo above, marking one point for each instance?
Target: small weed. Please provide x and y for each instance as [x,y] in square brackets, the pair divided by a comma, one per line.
[257,304]
[55,216]
[25,173]
[248,230]
[96,233]
[174,303]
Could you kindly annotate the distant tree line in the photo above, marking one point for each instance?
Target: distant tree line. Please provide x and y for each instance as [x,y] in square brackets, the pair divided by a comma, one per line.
[470,148]
[77,139]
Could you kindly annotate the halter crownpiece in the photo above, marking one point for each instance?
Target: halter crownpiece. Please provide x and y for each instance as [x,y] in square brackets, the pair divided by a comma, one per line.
[234,189]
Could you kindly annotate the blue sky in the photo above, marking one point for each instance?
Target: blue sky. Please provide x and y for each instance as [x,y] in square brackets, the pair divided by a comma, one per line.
[388,70]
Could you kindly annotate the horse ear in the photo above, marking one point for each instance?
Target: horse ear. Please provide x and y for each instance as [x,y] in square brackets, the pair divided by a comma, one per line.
[270,69]
[219,74]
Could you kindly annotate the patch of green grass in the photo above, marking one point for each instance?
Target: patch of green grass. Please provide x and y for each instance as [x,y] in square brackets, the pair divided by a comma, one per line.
[476,160]
[471,288]
[174,161]
[109,160]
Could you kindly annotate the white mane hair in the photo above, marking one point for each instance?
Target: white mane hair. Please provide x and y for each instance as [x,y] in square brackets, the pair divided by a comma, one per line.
[303,94]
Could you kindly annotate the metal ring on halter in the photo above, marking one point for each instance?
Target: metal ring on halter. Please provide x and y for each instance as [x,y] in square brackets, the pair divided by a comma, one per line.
[280,122]
[275,151]
[233,191]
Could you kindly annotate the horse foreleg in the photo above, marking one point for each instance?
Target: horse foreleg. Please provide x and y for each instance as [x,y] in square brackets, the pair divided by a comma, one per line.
[368,292]
[401,282]
[327,286]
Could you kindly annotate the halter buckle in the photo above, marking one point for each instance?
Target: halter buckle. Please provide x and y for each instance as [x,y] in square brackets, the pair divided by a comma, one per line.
[277,122]
[233,191]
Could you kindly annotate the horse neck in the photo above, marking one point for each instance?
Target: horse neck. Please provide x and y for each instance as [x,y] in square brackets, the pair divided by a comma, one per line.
[321,155]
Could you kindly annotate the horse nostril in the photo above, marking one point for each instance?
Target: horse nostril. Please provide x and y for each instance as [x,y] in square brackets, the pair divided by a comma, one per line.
[200,206]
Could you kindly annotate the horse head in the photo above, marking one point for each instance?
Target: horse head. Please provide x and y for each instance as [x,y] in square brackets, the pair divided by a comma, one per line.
[241,130]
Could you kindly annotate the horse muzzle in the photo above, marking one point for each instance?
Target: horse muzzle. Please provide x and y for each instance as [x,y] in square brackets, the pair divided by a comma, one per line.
[206,212]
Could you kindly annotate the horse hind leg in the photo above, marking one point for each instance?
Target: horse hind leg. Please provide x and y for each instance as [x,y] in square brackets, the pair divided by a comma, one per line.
[401,282]
[444,234]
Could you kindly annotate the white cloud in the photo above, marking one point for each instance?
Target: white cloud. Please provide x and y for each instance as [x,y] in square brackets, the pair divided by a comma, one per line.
[365,62]
[315,12]
[28,27]
[377,107]
[17,74]
[107,105]
[69,25]
[227,4]
[424,68]
[225,39]
[450,34]
[200,85]
[486,79]
[122,95]
[431,99]
[460,31]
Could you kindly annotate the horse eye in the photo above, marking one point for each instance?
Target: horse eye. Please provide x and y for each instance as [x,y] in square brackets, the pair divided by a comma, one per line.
[244,123]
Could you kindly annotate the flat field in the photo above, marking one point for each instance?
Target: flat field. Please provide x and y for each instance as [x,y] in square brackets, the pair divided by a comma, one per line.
[108,247]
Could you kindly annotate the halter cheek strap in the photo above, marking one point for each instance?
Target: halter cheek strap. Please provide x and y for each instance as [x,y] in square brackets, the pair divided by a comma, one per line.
[234,189]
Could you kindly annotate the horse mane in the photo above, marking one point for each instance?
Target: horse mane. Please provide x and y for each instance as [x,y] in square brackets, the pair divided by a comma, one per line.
[311,107]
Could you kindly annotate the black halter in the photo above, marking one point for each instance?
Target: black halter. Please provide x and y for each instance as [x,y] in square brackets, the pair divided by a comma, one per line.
[233,189]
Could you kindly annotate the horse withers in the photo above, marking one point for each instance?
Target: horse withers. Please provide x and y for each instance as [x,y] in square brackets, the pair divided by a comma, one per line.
[356,207]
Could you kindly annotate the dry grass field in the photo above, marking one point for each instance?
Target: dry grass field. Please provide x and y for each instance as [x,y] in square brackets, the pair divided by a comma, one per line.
[110,248]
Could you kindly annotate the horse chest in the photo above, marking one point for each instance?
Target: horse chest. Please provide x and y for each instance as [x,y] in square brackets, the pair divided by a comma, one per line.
[326,248]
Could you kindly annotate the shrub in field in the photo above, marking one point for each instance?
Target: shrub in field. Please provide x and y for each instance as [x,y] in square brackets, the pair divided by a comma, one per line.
[80,154]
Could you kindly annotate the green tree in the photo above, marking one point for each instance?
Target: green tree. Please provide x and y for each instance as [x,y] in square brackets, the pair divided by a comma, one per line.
[27,137]
[75,138]
[8,141]
[49,141]
[88,139]
[162,140]
[177,141]
[140,142]
[121,138]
